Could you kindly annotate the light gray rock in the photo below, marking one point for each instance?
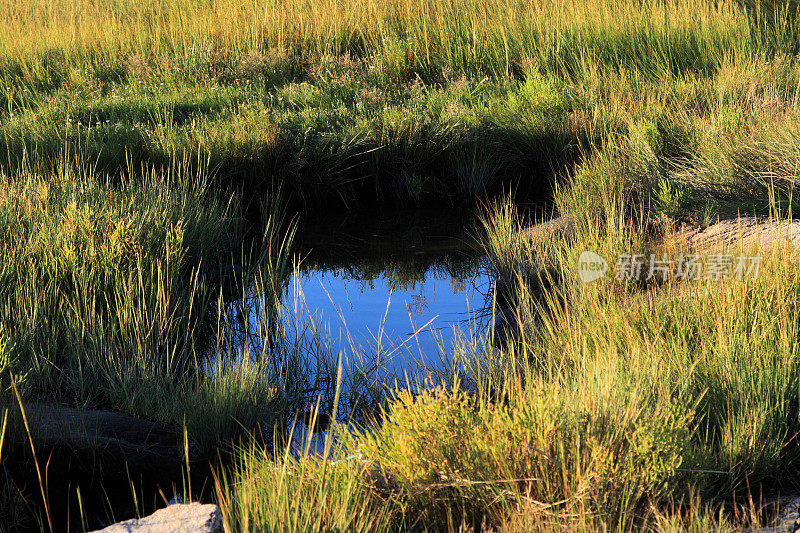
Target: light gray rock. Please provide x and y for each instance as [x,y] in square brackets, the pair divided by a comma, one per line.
[747,231]
[180,518]
[788,519]
[723,232]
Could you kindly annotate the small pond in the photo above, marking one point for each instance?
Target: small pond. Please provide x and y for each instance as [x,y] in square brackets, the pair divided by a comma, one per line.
[400,285]
[390,295]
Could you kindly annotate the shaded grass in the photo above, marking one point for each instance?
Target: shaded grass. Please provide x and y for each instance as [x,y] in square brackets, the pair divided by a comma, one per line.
[341,135]
[344,134]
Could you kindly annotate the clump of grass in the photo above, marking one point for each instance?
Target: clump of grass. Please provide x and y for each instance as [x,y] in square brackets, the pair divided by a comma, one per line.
[108,291]
[528,453]
[308,493]
[82,256]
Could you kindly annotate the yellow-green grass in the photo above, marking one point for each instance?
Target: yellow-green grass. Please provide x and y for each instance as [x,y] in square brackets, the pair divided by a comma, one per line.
[342,134]
[108,293]
[134,137]
[462,34]
[618,405]
[384,100]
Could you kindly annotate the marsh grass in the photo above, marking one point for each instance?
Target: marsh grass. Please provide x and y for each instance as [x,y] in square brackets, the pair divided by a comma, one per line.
[461,34]
[109,259]
[619,409]
[136,139]
[108,291]
[613,401]
[409,101]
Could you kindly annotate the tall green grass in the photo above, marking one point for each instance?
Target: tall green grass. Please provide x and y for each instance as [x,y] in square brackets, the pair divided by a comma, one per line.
[614,406]
[136,138]
[462,34]
[109,295]
[384,100]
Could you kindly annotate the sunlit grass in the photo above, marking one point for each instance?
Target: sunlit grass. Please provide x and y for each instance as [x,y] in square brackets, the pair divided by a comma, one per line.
[616,410]
[141,148]
[461,34]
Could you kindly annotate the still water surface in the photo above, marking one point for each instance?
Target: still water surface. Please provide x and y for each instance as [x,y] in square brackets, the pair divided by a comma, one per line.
[403,286]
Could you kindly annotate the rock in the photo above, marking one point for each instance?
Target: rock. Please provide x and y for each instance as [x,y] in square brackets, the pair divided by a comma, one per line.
[749,231]
[554,229]
[102,432]
[102,452]
[180,518]
[50,422]
[108,441]
[788,520]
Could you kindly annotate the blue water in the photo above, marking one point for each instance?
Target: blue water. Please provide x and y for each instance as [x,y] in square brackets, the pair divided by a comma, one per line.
[375,299]
[405,323]
[400,318]
[395,288]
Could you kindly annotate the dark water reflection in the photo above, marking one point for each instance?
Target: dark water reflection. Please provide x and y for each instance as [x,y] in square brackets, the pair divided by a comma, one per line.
[399,285]
[375,299]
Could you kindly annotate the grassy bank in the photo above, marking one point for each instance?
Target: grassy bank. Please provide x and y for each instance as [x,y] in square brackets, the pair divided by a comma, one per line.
[403,102]
[147,149]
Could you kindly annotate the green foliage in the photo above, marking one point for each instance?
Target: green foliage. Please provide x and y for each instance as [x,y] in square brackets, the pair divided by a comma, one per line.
[136,135]
[302,494]
[12,374]
[16,515]
[672,199]
[441,449]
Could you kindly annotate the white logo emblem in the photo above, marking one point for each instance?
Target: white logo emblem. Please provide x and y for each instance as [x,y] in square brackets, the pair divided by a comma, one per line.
[591,266]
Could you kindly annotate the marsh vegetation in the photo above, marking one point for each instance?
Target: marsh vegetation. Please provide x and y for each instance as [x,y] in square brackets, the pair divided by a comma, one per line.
[160,163]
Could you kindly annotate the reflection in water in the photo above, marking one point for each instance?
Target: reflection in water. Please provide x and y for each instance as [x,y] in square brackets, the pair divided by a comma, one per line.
[398,287]
[402,322]
[391,295]
[385,296]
